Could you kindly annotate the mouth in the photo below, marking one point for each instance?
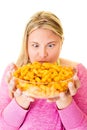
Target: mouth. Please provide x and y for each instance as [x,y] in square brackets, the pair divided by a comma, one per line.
[42,61]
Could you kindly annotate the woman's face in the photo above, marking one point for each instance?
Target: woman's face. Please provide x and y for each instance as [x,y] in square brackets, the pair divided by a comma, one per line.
[44,46]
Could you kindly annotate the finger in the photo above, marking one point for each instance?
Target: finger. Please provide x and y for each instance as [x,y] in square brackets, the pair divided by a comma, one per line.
[11,94]
[13,67]
[76,81]
[12,85]
[8,77]
[17,93]
[72,89]
[62,95]
[26,95]
[9,74]
[74,70]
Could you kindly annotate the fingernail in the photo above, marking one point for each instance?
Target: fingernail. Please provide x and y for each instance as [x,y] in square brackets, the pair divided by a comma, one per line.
[70,84]
[62,94]
[75,77]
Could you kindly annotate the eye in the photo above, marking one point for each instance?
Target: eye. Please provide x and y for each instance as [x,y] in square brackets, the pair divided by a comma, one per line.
[51,45]
[35,45]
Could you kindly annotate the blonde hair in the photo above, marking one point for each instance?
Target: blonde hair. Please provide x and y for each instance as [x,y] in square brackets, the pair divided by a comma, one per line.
[42,19]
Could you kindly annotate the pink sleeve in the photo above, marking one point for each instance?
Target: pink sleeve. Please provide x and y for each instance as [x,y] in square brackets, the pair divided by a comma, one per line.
[7,108]
[4,98]
[81,96]
[9,114]
[73,118]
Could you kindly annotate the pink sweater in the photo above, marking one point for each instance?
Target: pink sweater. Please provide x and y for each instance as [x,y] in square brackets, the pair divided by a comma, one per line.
[42,115]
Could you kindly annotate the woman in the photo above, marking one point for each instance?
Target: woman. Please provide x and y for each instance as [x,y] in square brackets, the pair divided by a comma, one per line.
[43,39]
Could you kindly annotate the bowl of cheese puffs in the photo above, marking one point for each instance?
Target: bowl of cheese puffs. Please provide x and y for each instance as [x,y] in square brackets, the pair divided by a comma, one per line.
[43,80]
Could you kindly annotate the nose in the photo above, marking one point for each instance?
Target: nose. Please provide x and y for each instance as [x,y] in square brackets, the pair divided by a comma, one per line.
[43,52]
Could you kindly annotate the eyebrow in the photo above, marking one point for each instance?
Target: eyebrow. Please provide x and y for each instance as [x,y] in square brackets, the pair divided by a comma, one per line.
[33,42]
[47,43]
[52,42]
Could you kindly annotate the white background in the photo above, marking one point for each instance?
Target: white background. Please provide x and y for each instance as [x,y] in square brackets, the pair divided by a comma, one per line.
[14,15]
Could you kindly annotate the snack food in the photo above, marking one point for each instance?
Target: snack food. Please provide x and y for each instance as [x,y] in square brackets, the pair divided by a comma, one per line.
[43,80]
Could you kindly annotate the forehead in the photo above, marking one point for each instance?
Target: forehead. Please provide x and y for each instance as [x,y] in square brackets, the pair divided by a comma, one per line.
[44,34]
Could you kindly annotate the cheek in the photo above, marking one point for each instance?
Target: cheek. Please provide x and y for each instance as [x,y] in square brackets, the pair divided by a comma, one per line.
[56,52]
[54,55]
[32,54]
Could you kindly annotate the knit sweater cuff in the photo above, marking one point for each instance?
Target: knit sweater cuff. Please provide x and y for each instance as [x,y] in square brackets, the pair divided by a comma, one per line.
[72,116]
[13,114]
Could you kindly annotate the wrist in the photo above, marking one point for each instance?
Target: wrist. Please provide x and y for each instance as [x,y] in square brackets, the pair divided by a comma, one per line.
[64,103]
[22,104]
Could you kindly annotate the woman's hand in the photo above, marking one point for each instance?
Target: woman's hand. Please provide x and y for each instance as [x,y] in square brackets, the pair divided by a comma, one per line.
[10,80]
[64,99]
[22,98]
